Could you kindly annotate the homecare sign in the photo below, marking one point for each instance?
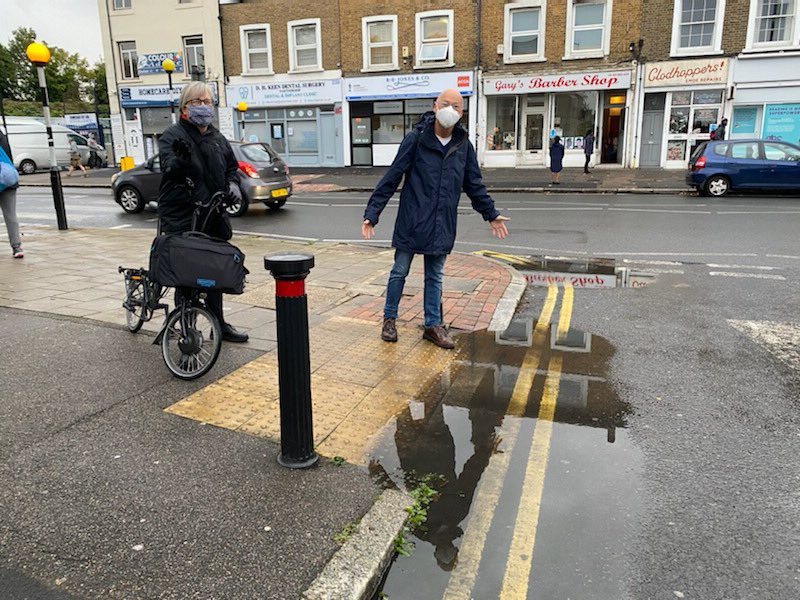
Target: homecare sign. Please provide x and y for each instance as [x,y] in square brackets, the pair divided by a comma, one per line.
[572,82]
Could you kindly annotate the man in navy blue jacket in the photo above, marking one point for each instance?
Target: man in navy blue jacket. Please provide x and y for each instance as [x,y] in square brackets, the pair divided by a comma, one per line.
[438,162]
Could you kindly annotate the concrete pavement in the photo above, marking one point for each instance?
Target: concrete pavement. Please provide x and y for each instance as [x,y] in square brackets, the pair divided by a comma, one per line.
[119,481]
[363,179]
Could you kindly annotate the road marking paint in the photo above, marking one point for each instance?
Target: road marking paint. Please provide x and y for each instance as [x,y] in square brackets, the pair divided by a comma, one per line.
[746,275]
[490,487]
[604,253]
[758,212]
[656,210]
[783,256]
[356,241]
[655,204]
[565,317]
[559,208]
[520,557]
[299,203]
[665,263]
[756,267]
[121,226]
[275,235]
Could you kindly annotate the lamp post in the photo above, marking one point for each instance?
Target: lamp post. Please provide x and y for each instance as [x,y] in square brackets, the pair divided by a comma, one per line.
[169,66]
[242,108]
[39,55]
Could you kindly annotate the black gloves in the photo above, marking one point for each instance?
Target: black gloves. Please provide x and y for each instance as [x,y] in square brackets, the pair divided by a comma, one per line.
[182,151]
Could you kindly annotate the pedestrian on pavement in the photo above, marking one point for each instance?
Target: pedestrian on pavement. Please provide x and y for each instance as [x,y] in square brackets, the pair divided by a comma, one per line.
[194,149]
[75,159]
[94,158]
[721,130]
[588,149]
[8,205]
[438,162]
[556,160]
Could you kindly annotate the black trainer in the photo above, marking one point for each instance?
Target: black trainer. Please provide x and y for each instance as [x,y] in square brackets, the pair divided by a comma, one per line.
[230,334]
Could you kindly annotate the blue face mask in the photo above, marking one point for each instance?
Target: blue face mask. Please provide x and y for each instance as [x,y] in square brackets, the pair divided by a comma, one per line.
[202,115]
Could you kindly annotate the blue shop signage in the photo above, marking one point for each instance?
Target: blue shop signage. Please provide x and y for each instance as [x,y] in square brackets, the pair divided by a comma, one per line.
[151,63]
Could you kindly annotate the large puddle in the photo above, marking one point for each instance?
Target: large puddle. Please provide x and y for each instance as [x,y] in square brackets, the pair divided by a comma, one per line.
[473,421]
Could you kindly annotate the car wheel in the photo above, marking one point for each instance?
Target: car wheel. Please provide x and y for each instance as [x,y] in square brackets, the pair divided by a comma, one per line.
[238,208]
[701,191]
[27,166]
[130,199]
[717,185]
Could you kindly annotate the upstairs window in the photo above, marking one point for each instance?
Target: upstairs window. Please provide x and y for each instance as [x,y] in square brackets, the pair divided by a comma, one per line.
[195,57]
[772,24]
[697,27]
[256,43]
[435,38]
[379,42]
[123,4]
[588,27]
[129,60]
[524,24]
[305,44]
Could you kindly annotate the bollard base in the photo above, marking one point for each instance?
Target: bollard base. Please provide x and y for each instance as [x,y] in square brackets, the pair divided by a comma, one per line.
[293,463]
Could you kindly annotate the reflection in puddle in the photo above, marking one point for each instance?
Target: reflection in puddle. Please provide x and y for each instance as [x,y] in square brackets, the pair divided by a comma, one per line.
[456,430]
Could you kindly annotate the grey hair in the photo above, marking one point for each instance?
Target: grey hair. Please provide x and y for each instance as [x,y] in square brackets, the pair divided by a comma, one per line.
[194,90]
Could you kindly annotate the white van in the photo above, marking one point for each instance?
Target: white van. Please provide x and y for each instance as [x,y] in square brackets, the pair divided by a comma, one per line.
[28,140]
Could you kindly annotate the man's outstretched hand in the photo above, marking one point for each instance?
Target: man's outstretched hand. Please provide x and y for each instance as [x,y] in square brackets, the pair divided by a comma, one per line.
[499,228]
[367,230]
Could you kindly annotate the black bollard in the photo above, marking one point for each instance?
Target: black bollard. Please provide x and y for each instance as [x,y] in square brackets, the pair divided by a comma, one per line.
[294,364]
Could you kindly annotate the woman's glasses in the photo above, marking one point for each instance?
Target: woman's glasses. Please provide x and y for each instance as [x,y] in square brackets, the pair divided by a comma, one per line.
[201,102]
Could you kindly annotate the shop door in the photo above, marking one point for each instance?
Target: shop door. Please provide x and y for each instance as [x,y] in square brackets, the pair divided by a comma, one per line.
[328,140]
[533,138]
[652,138]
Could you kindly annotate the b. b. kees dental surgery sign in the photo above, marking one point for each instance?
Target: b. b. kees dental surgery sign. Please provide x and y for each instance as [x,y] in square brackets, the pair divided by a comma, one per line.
[571,82]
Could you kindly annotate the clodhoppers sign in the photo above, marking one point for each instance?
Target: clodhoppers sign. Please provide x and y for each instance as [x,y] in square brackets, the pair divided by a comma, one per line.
[707,71]
[282,93]
[568,82]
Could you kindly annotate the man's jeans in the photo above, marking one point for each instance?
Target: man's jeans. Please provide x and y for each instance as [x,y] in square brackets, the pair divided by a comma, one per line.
[434,271]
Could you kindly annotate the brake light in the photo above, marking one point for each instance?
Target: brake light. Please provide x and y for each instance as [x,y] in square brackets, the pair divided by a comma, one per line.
[249,169]
[700,163]
[286,169]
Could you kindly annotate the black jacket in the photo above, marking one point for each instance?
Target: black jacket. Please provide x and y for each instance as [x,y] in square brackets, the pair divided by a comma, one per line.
[7,148]
[212,168]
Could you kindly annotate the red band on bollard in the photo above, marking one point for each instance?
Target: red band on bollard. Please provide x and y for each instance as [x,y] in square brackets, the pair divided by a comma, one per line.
[290,289]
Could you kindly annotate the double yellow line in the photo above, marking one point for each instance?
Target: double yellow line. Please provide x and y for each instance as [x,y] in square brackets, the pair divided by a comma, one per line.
[518,566]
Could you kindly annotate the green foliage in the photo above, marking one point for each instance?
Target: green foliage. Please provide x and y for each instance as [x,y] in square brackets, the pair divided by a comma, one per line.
[422,494]
[339,461]
[346,533]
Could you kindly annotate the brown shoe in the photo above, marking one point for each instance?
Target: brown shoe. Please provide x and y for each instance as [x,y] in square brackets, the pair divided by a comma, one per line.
[389,332]
[439,336]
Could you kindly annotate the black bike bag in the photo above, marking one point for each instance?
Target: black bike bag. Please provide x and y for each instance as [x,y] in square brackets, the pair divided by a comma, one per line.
[196,260]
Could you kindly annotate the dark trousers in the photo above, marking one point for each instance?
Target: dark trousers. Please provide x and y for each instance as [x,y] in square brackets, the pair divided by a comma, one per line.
[586,164]
[213,303]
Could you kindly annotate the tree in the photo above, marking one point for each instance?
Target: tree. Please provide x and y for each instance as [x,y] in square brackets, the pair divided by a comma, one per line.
[99,91]
[24,84]
[7,71]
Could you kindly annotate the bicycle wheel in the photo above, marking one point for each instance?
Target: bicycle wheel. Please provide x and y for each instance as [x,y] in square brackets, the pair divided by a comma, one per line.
[191,342]
[135,304]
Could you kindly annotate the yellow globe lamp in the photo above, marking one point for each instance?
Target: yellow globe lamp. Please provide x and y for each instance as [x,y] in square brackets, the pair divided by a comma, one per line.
[242,106]
[38,54]
[168,65]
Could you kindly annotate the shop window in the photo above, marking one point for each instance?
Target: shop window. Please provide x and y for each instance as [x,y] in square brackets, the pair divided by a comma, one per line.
[388,129]
[772,23]
[501,122]
[302,137]
[697,26]
[435,39]
[676,150]
[379,36]
[746,121]
[129,60]
[524,24]
[195,57]
[588,26]
[574,117]
[305,42]
[256,44]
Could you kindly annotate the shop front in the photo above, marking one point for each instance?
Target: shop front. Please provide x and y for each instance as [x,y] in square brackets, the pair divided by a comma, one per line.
[146,114]
[381,110]
[683,102]
[767,98]
[525,113]
[301,120]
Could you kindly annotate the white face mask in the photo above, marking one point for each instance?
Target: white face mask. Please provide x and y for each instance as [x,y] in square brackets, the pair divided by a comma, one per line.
[447,116]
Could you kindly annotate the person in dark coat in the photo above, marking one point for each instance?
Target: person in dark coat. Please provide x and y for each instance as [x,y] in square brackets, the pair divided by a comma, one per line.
[438,163]
[556,160]
[722,129]
[8,204]
[588,149]
[197,162]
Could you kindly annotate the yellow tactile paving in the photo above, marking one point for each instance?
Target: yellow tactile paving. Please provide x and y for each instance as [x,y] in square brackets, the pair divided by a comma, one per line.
[358,384]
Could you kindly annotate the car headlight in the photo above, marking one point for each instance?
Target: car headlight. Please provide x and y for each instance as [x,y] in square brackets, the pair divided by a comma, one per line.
[115,176]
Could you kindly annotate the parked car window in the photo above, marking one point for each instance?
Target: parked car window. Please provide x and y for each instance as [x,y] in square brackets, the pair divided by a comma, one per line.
[773,151]
[745,150]
[698,151]
[78,139]
[259,152]
[721,149]
[156,166]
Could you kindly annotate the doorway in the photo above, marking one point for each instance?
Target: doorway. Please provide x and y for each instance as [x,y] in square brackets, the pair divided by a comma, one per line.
[652,129]
[533,137]
[613,128]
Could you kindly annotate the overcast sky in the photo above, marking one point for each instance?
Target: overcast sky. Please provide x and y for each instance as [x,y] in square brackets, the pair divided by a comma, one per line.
[70,24]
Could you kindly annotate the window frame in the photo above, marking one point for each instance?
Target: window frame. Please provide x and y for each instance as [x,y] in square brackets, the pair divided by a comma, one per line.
[752,43]
[366,46]
[245,49]
[187,64]
[433,64]
[716,37]
[128,2]
[508,57]
[293,66]
[134,64]
[569,42]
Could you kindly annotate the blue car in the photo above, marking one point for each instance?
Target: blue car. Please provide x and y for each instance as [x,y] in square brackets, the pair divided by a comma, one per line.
[718,167]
